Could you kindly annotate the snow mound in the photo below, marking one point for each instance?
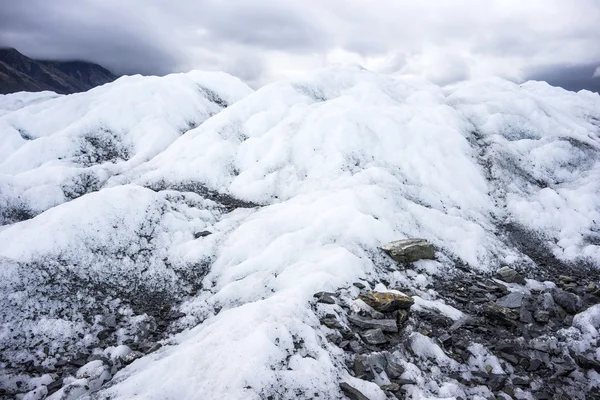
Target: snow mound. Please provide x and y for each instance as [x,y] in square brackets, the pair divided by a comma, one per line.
[298,184]
[58,149]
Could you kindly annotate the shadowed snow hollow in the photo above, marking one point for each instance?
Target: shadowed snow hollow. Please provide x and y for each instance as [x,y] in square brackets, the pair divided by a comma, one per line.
[329,169]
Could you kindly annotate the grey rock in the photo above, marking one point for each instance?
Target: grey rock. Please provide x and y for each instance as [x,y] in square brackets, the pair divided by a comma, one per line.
[331,322]
[374,336]
[496,381]
[198,235]
[386,325]
[444,338]
[359,285]
[393,369]
[392,387]
[588,362]
[356,347]
[499,313]
[521,381]
[410,250]
[362,368]
[352,393]
[103,334]
[336,339]
[131,357]
[570,302]
[512,300]
[403,382]
[534,365]
[525,315]
[110,321]
[325,297]
[509,275]
[387,302]
[152,347]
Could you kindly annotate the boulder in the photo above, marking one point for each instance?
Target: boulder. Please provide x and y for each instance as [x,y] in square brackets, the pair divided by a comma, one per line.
[386,325]
[387,302]
[374,336]
[509,275]
[512,300]
[410,250]
[570,302]
[352,393]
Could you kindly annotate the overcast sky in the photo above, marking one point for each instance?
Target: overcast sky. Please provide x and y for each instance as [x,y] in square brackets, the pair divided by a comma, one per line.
[264,40]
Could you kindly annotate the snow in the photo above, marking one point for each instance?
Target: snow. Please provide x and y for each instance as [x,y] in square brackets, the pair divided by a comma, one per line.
[64,146]
[330,168]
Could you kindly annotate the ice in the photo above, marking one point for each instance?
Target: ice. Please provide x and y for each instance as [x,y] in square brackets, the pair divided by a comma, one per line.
[299,183]
[60,148]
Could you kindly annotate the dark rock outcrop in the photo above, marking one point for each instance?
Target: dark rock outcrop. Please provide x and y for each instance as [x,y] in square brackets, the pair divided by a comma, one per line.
[21,73]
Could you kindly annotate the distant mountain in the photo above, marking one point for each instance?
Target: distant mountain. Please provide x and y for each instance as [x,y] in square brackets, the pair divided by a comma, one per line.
[21,73]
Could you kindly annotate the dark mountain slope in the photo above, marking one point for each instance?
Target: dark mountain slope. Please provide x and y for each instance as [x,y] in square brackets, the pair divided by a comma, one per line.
[21,73]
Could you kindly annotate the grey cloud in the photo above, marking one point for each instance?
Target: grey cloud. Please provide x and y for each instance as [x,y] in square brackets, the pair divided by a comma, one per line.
[443,41]
[570,77]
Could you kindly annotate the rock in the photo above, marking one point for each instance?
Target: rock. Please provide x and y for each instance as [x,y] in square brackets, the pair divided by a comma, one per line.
[510,358]
[525,315]
[410,250]
[356,347]
[374,336]
[198,235]
[335,339]
[362,369]
[359,285]
[110,321]
[534,365]
[352,393]
[512,300]
[103,334]
[520,381]
[54,385]
[567,279]
[131,357]
[570,302]
[509,275]
[403,382]
[499,313]
[331,322]
[392,387]
[587,363]
[444,338]
[152,347]
[325,297]
[387,302]
[393,369]
[496,381]
[386,325]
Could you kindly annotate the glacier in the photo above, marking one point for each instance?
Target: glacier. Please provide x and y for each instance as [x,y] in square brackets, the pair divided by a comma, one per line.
[193,199]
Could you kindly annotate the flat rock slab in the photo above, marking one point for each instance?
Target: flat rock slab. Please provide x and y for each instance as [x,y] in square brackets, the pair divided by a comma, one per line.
[387,302]
[410,250]
[386,325]
[374,336]
[512,300]
[509,275]
[352,393]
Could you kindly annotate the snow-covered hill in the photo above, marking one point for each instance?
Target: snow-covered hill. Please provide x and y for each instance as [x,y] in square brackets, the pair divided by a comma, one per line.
[192,211]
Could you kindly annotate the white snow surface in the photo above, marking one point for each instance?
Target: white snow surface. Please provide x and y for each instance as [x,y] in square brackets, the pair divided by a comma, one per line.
[57,149]
[335,166]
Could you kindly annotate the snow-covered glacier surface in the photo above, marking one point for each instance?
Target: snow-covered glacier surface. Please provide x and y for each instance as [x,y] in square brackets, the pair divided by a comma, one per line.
[193,200]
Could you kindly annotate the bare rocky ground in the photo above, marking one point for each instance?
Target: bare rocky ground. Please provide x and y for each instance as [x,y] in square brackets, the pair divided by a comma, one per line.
[514,340]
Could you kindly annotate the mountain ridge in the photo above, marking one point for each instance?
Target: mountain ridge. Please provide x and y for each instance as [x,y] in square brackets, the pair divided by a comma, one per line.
[21,73]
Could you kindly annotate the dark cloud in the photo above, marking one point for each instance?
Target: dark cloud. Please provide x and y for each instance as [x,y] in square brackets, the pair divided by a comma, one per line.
[570,77]
[261,40]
